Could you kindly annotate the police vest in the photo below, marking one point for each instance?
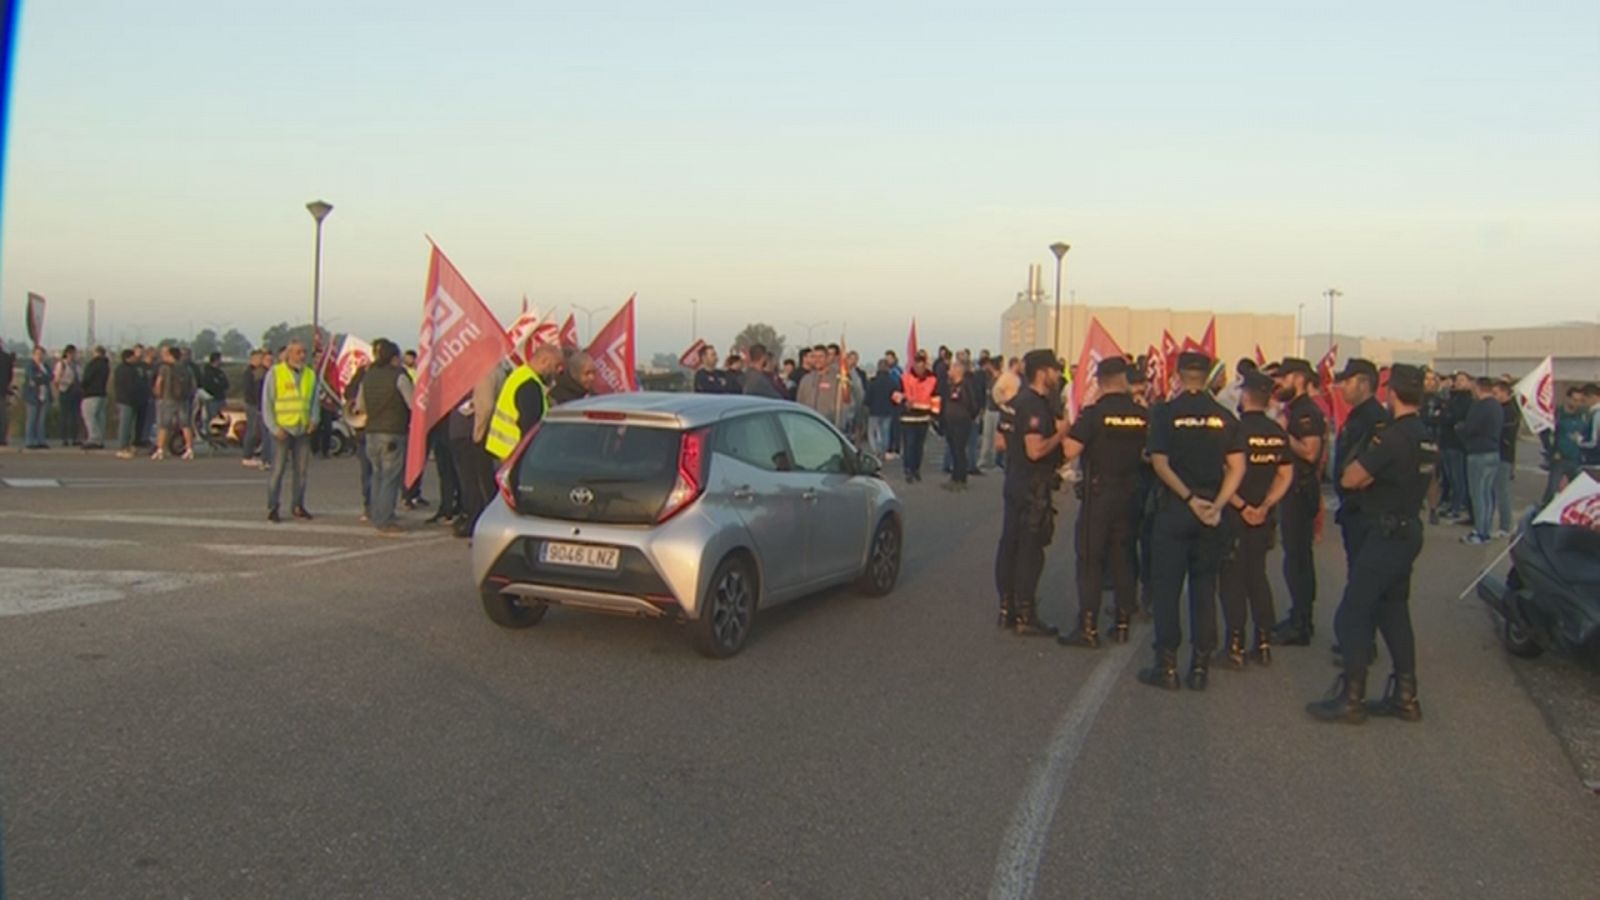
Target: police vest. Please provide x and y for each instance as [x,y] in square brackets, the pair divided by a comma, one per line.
[504,431]
[292,395]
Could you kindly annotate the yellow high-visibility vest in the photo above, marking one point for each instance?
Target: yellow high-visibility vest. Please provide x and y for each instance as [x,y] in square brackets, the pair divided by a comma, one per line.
[504,431]
[293,396]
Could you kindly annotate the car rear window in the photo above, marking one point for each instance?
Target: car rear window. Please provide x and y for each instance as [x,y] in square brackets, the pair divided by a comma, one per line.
[597,472]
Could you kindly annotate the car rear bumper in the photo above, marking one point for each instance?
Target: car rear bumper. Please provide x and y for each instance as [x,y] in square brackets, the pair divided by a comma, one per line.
[591,601]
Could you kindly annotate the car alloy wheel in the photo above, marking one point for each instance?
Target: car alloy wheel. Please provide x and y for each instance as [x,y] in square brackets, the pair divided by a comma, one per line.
[885,558]
[730,609]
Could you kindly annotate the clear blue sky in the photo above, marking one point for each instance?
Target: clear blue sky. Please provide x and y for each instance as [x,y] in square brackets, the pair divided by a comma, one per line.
[860,162]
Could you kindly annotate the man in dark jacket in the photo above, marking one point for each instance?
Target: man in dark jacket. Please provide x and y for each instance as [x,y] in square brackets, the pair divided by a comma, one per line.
[127,385]
[1479,432]
[1456,404]
[881,407]
[758,379]
[576,380]
[96,382]
[960,408]
[214,381]
[1506,471]
[8,367]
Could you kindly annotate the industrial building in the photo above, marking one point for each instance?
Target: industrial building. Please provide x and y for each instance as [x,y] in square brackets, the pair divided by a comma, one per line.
[1030,323]
[1574,347]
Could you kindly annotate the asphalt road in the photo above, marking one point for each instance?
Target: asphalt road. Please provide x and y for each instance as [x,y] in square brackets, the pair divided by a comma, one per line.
[196,703]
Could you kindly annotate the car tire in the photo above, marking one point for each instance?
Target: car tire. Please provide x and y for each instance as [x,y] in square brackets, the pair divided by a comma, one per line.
[512,612]
[727,611]
[883,560]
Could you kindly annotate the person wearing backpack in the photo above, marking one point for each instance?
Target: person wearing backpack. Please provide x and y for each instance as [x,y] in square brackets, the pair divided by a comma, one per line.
[174,390]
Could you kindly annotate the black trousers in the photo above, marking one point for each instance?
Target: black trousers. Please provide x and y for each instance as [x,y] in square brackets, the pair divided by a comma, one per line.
[1378,597]
[475,469]
[444,463]
[1244,576]
[957,435]
[1298,525]
[1028,527]
[1105,532]
[1353,528]
[1185,548]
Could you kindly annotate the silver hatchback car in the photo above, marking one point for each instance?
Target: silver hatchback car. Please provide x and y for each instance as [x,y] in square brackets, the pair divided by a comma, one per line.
[694,507]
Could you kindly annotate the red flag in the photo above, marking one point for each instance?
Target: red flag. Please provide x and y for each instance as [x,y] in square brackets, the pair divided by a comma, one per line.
[36,306]
[1208,341]
[1097,346]
[1156,372]
[691,357]
[613,353]
[1261,358]
[1169,364]
[1332,399]
[569,333]
[342,364]
[459,343]
[911,344]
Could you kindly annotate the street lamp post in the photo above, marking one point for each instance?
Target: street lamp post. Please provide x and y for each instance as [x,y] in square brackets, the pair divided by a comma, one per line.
[1487,340]
[694,320]
[319,210]
[1332,294]
[590,313]
[1059,248]
[811,329]
[1300,331]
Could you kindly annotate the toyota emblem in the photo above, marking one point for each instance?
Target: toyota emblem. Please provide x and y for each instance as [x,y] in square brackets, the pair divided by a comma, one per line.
[581,496]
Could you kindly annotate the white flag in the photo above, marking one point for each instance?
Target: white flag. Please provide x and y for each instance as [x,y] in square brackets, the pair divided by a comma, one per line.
[531,330]
[1578,505]
[1536,394]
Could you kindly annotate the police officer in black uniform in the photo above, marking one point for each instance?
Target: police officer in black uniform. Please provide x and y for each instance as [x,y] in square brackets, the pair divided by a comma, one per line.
[1033,453]
[1307,429]
[1198,453]
[1268,474]
[1359,382]
[1144,494]
[1391,475]
[1110,436]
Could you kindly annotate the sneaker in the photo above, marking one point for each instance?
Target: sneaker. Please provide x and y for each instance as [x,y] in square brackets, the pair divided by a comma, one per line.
[1474,539]
[188,454]
[391,530]
[124,454]
[1500,534]
[159,455]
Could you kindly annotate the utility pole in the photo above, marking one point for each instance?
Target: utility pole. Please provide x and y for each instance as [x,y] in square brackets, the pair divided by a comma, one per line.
[1332,294]
[89,344]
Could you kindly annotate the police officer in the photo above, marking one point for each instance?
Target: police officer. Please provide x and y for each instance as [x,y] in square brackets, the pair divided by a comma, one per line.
[1110,436]
[1307,428]
[1198,454]
[1359,382]
[1390,475]
[1268,474]
[1033,452]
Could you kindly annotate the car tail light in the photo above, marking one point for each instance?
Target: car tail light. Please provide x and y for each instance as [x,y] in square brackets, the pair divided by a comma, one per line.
[606,416]
[505,476]
[693,462]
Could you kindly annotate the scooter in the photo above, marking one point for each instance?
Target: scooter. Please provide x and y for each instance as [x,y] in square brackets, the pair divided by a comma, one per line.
[1550,599]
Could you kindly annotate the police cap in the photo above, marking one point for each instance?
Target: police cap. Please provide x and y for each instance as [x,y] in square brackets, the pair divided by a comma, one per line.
[1405,377]
[1035,361]
[1111,367]
[1258,383]
[1192,361]
[1293,364]
[1358,367]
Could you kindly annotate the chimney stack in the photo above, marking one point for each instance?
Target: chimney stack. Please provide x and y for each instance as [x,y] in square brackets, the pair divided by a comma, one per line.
[1035,276]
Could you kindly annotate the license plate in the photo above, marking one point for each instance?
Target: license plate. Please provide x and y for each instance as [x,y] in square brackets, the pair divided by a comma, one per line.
[585,556]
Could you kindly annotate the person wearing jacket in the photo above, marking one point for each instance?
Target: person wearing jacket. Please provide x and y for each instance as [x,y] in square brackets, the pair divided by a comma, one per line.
[960,406]
[576,380]
[919,400]
[128,386]
[68,382]
[1456,405]
[831,391]
[290,409]
[1479,432]
[96,381]
[385,396]
[36,395]
[880,408]
[8,366]
[214,381]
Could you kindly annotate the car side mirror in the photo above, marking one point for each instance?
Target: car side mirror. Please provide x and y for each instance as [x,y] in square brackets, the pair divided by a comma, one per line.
[869,465]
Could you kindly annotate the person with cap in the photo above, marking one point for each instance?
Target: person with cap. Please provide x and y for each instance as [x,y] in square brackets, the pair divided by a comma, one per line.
[1391,474]
[1268,474]
[1359,382]
[1198,453]
[1033,453]
[1109,435]
[1307,429]
[1145,493]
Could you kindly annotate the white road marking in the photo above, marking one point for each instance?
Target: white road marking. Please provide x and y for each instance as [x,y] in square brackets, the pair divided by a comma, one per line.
[289,525]
[1022,849]
[370,551]
[31,482]
[268,549]
[24,591]
[51,540]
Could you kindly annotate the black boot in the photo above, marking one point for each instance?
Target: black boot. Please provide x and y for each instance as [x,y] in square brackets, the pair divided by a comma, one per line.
[1198,674]
[1234,654]
[1294,631]
[1008,616]
[1399,701]
[1345,703]
[1164,674]
[1087,634]
[1120,633]
[1263,654]
[1028,623]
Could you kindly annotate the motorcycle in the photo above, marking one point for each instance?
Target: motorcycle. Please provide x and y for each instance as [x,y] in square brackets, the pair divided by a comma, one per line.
[1550,598]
